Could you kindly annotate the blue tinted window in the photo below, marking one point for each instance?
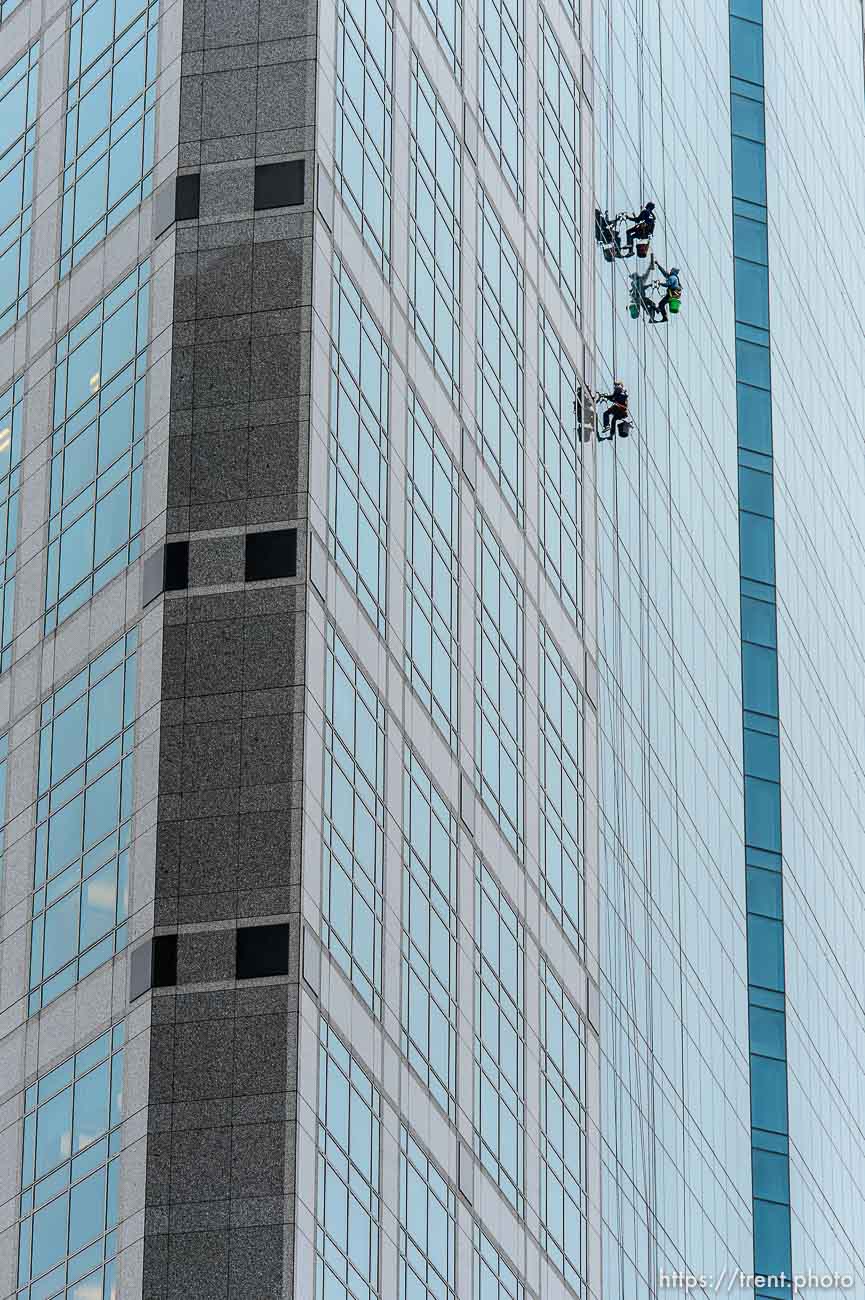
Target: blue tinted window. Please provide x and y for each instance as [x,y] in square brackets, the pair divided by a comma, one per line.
[749,170]
[84,824]
[752,363]
[768,1094]
[499,1100]
[10,481]
[755,418]
[771,1172]
[353,868]
[764,892]
[348,1206]
[6,7]
[69,1204]
[435,267]
[751,239]
[432,572]
[758,622]
[767,1032]
[98,446]
[748,120]
[500,361]
[765,952]
[757,547]
[110,119]
[446,17]
[755,491]
[761,755]
[746,50]
[362,148]
[494,1278]
[752,293]
[763,814]
[18,110]
[771,1237]
[429,934]
[359,407]
[760,679]
[560,473]
[499,687]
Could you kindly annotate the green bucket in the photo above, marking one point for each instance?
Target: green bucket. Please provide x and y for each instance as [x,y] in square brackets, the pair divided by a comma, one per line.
[635,311]
[675,304]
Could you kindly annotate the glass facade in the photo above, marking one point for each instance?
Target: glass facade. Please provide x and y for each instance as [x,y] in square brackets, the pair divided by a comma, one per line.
[18,108]
[501,89]
[11,416]
[111,105]
[83,828]
[97,448]
[70,1179]
[427,1227]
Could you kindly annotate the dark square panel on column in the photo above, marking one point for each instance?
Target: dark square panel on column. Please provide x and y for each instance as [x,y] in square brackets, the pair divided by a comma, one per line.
[279,185]
[262,950]
[271,555]
[176,566]
[187,198]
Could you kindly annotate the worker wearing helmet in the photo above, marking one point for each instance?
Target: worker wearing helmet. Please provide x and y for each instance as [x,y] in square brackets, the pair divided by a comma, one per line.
[672,285]
[616,413]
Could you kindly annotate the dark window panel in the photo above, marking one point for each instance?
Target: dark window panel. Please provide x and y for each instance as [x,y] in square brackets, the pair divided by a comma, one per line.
[176,566]
[279,185]
[164,960]
[187,198]
[271,555]
[262,950]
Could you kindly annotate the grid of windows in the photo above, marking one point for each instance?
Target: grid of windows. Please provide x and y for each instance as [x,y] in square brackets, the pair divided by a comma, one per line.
[353,868]
[432,573]
[18,110]
[109,121]
[10,482]
[499,686]
[560,478]
[427,1229]
[70,1176]
[500,313]
[429,935]
[349,1146]
[564,1200]
[558,164]
[562,790]
[359,404]
[83,823]
[435,262]
[446,17]
[97,448]
[501,76]
[364,90]
[494,1277]
[499,1101]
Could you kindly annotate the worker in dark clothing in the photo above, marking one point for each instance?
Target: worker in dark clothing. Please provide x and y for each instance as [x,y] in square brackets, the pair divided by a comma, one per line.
[607,234]
[642,229]
[616,414]
[640,299]
[672,287]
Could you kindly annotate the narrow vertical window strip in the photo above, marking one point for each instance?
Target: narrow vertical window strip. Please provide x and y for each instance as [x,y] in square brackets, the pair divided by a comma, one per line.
[10,483]
[18,112]
[348,1207]
[435,188]
[353,864]
[359,414]
[432,573]
[562,740]
[500,356]
[429,934]
[560,477]
[97,448]
[110,119]
[364,91]
[83,823]
[494,1278]
[69,1207]
[499,1041]
[558,164]
[499,687]
[501,77]
[427,1231]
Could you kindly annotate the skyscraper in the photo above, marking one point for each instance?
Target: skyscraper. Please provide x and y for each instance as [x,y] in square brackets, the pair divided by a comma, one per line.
[429,834]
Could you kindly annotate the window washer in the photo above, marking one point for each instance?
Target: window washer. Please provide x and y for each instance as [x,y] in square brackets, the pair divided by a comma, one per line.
[641,231]
[607,234]
[640,299]
[672,286]
[616,414]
